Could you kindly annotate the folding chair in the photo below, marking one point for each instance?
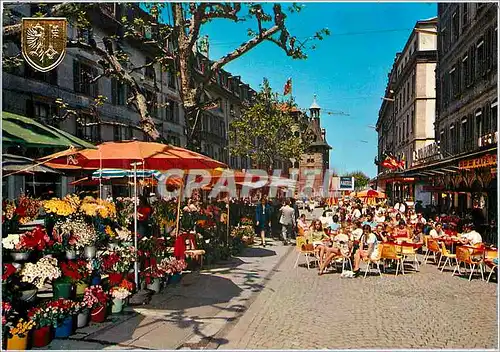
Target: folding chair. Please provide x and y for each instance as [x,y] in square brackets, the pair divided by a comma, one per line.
[302,246]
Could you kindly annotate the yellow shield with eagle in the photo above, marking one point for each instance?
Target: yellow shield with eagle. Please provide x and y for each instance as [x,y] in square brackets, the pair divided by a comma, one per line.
[43,42]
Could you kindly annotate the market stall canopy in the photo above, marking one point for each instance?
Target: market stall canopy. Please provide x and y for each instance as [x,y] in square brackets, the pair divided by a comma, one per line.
[22,130]
[370,193]
[21,164]
[118,173]
[120,155]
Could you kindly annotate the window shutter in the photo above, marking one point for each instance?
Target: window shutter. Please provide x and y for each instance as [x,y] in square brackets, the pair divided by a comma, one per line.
[76,76]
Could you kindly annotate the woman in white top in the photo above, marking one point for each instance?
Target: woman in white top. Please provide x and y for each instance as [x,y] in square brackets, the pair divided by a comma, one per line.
[368,248]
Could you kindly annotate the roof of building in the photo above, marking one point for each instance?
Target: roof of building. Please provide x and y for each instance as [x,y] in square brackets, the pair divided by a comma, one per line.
[285,107]
[314,104]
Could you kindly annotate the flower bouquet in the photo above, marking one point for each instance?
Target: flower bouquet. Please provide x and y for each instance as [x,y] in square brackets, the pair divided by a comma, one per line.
[173,266]
[151,276]
[27,209]
[8,271]
[96,299]
[119,294]
[62,207]
[118,260]
[18,335]
[38,239]
[98,207]
[124,211]
[46,269]
[62,312]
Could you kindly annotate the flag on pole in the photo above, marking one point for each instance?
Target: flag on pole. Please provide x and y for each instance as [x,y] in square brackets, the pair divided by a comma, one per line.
[402,162]
[288,87]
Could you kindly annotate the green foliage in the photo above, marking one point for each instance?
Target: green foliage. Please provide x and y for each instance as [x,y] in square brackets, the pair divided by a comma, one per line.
[360,179]
[263,130]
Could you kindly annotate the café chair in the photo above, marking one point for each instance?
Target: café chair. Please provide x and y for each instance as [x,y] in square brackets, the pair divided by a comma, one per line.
[389,252]
[463,255]
[303,246]
[448,255]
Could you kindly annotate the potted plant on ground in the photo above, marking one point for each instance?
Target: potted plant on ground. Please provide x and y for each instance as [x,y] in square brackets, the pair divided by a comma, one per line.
[64,286]
[97,300]
[119,294]
[18,335]
[151,276]
[63,312]
[44,317]
[173,267]
[86,237]
[43,271]
[65,237]
[13,244]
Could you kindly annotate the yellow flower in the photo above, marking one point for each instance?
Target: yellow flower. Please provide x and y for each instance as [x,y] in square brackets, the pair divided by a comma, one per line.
[109,231]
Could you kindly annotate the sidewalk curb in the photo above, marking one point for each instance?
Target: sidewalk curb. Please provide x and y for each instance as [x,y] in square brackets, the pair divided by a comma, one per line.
[211,343]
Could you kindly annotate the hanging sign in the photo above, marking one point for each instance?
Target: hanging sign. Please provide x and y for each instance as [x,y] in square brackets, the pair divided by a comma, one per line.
[484,161]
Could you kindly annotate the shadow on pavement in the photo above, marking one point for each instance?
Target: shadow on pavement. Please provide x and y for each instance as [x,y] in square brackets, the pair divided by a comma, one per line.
[257,252]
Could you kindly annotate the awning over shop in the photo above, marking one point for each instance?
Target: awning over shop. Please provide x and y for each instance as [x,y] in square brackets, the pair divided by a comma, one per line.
[20,164]
[22,130]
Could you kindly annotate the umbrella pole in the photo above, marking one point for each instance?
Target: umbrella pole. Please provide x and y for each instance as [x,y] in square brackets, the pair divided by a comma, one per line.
[136,264]
[179,209]
[228,207]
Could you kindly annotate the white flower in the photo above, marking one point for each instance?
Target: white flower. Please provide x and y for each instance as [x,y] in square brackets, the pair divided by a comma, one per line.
[45,269]
[10,241]
[124,234]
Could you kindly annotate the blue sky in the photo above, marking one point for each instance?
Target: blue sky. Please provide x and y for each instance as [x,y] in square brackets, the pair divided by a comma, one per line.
[348,70]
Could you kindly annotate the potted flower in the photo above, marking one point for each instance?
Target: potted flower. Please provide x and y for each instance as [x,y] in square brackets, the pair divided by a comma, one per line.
[44,317]
[119,294]
[152,276]
[13,243]
[86,237]
[43,271]
[63,312]
[18,335]
[65,237]
[124,236]
[96,299]
[8,319]
[64,286]
[174,268]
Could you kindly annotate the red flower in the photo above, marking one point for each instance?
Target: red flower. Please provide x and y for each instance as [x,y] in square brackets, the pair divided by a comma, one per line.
[129,286]
[8,270]
[115,278]
[71,270]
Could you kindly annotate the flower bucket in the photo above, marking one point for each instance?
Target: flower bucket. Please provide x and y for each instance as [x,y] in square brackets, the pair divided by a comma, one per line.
[29,295]
[20,256]
[80,288]
[96,280]
[70,255]
[98,315]
[175,278]
[154,285]
[63,290]
[42,336]
[117,306]
[90,252]
[82,319]
[65,329]
[17,343]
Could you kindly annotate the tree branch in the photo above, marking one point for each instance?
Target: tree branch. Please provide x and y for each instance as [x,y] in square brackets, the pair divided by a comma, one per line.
[242,49]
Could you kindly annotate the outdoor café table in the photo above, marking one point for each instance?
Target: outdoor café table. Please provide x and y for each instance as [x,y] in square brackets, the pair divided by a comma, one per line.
[451,243]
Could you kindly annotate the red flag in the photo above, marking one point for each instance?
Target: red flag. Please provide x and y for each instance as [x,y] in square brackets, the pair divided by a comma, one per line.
[288,87]
[390,163]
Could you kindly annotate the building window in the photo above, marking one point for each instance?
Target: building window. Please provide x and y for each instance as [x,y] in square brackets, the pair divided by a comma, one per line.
[442,140]
[413,84]
[118,92]
[453,140]
[455,26]
[86,129]
[454,88]
[47,77]
[479,124]
[408,124]
[465,71]
[172,111]
[152,102]
[83,76]
[480,58]
[464,135]
[149,71]
[465,15]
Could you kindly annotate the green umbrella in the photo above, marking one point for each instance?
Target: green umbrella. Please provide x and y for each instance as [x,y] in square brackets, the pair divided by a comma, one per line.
[22,130]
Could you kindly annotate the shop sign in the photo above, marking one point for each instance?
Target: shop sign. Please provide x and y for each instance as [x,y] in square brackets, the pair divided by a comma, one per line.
[428,153]
[346,183]
[488,139]
[485,161]
[432,188]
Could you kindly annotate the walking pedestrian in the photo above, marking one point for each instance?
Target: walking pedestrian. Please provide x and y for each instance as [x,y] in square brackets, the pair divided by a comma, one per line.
[287,221]
[263,219]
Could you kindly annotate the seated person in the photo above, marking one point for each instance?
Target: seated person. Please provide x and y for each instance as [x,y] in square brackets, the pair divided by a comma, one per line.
[335,225]
[368,248]
[418,235]
[340,247]
[302,225]
[380,233]
[325,219]
[402,230]
[317,234]
[470,236]
[437,231]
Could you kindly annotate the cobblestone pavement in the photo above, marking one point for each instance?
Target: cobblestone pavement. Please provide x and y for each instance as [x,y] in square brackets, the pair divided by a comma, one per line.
[300,310]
